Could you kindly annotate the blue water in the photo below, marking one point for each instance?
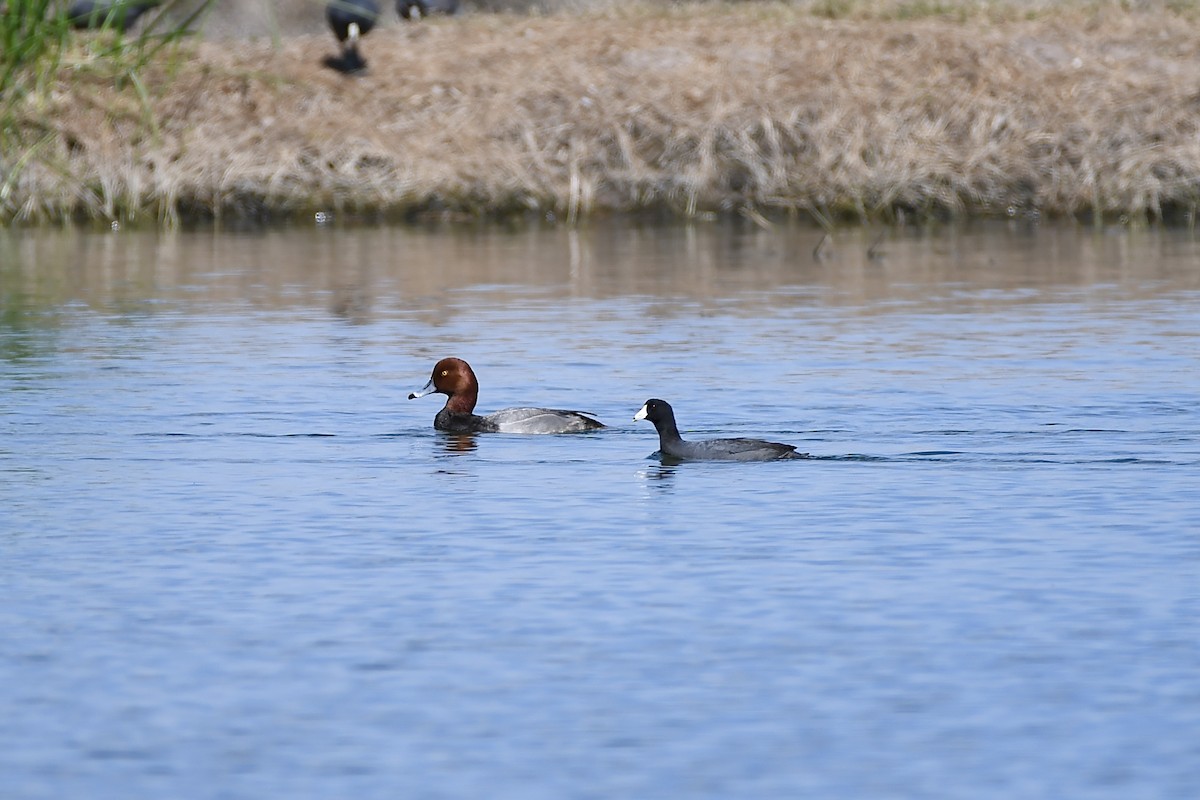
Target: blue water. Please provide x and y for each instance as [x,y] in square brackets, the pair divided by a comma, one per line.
[236,562]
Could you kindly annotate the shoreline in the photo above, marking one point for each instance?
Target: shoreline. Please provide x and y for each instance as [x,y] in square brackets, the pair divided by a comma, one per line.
[757,110]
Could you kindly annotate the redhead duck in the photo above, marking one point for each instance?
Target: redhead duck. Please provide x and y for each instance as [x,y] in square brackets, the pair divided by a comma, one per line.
[454,378]
[671,445]
[350,20]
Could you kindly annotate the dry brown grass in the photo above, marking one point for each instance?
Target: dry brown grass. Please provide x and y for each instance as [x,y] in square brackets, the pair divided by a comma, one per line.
[749,107]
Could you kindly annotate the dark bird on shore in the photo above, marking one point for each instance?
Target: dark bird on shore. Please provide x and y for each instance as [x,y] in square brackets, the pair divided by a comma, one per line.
[117,14]
[350,20]
[419,9]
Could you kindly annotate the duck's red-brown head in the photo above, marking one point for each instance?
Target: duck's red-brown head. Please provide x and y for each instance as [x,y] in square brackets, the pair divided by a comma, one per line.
[454,378]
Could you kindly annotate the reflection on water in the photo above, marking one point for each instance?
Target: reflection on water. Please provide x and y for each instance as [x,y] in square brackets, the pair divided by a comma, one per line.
[236,561]
[358,275]
[660,473]
[459,442]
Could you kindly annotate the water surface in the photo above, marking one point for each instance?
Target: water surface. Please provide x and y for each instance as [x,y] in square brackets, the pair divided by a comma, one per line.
[235,561]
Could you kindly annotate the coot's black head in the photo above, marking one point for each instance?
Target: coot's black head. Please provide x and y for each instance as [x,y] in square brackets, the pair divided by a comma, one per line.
[412,9]
[656,411]
[342,14]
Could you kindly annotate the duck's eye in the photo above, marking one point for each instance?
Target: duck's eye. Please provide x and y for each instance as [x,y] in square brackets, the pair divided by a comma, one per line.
[445,372]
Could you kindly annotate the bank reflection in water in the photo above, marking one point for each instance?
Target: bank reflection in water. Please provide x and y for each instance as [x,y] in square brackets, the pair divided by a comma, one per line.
[362,274]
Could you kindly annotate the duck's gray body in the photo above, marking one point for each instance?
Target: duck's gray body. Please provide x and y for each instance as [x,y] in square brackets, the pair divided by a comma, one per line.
[516,420]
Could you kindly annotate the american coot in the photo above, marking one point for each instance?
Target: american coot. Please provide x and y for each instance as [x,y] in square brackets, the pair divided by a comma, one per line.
[671,445]
[117,14]
[419,9]
[454,378]
[350,20]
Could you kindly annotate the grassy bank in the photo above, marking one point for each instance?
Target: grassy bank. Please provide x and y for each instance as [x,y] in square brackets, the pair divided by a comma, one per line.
[831,109]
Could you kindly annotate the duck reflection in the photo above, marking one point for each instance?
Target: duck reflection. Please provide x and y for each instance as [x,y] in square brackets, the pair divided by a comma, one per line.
[454,443]
[660,476]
